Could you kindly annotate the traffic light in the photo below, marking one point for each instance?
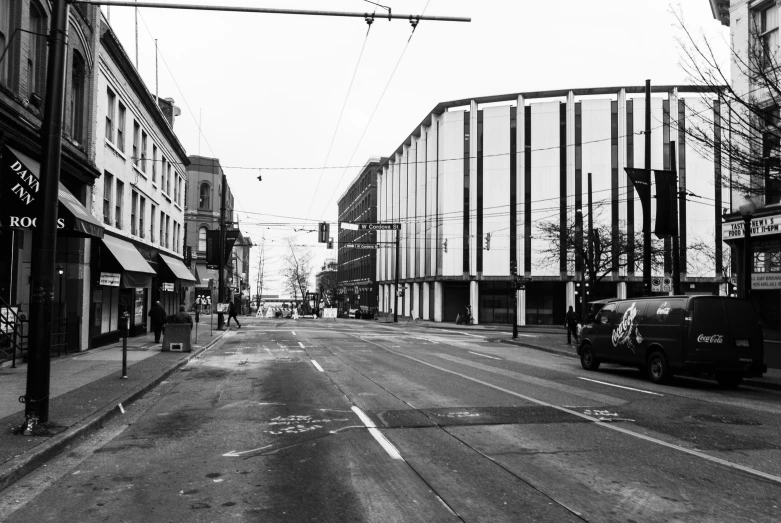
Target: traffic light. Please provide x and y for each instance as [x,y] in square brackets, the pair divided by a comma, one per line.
[323,232]
[444,245]
[488,241]
[330,243]
[513,266]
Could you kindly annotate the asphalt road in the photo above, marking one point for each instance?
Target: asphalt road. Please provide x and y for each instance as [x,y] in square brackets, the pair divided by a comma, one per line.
[315,420]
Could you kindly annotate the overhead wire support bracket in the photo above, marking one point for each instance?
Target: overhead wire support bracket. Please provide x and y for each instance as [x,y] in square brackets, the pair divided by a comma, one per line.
[243,9]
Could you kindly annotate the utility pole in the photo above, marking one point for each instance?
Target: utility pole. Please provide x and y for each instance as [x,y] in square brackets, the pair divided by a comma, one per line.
[398,258]
[647,208]
[44,245]
[221,264]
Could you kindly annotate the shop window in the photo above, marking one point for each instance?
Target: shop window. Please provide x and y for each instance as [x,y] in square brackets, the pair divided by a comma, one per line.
[204,201]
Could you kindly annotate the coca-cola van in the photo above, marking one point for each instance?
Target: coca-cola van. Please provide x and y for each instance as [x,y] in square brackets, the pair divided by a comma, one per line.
[670,335]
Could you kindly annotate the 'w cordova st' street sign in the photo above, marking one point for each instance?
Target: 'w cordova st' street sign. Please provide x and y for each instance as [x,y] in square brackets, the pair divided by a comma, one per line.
[379,226]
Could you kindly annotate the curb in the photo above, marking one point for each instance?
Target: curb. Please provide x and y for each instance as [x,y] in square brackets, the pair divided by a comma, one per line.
[749,381]
[18,467]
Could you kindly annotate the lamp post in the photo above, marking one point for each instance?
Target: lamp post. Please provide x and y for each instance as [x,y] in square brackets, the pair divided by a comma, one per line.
[747,209]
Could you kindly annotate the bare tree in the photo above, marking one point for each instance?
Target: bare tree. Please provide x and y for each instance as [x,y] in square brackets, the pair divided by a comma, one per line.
[297,270]
[740,126]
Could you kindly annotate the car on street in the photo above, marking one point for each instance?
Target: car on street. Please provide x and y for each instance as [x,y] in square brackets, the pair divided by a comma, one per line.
[666,335]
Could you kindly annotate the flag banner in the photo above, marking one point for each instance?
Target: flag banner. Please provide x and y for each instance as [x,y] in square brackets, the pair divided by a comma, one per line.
[212,248]
[231,235]
[19,187]
[666,192]
[641,180]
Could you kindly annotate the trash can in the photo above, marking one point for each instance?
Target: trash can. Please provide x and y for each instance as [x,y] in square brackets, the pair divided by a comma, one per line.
[177,337]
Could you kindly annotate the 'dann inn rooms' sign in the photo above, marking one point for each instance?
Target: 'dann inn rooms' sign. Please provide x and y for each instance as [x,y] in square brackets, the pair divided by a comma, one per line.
[20,190]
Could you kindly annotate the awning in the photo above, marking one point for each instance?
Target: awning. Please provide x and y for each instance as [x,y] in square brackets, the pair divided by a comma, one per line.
[205,275]
[127,255]
[178,268]
[75,218]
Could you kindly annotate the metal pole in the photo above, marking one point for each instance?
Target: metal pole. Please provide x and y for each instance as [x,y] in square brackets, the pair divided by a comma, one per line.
[44,245]
[396,298]
[748,266]
[221,259]
[677,235]
[647,208]
[239,9]
[591,252]
[124,346]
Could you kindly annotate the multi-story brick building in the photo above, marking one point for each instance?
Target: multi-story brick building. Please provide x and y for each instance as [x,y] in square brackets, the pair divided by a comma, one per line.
[357,267]
[24,25]
[139,198]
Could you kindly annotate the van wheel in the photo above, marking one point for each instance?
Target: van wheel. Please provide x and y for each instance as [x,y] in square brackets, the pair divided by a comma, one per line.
[658,368]
[587,358]
[729,381]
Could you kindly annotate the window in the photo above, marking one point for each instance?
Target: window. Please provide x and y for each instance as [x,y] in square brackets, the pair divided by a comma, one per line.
[110,102]
[36,57]
[162,227]
[77,97]
[143,152]
[766,27]
[162,174]
[154,163]
[152,223]
[136,132]
[168,180]
[133,213]
[5,37]
[121,127]
[176,189]
[118,205]
[107,192]
[141,214]
[167,231]
[205,193]
[202,239]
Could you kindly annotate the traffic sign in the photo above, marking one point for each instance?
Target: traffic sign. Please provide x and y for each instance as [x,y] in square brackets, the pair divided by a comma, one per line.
[364,245]
[380,226]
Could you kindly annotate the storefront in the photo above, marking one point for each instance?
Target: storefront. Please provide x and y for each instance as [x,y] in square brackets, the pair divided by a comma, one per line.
[173,278]
[766,267]
[122,280]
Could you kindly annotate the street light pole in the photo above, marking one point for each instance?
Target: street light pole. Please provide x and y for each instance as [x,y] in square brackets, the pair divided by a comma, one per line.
[747,209]
[647,208]
[44,245]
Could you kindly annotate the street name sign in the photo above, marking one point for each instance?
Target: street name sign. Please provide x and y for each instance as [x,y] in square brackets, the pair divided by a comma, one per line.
[364,245]
[379,226]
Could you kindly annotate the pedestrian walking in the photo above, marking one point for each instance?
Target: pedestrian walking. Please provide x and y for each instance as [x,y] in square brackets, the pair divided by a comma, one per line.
[232,314]
[157,317]
[571,323]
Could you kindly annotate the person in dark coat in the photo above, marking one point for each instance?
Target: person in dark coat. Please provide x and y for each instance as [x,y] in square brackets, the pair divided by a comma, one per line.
[157,317]
[182,316]
[232,314]
[572,326]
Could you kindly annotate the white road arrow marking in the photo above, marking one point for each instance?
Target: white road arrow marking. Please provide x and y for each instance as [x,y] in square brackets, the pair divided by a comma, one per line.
[234,454]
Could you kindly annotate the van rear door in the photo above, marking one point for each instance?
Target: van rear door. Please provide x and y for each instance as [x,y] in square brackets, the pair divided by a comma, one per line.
[707,340]
[745,332]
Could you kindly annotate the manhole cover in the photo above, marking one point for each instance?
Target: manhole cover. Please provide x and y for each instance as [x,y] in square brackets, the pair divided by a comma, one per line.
[728,420]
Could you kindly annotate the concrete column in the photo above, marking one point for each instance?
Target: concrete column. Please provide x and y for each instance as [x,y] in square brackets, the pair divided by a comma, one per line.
[621,290]
[416,300]
[85,275]
[426,301]
[438,295]
[522,307]
[571,299]
[392,297]
[381,298]
[407,310]
[474,300]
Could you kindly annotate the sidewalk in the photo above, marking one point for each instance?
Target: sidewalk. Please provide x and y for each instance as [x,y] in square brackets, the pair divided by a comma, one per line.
[85,390]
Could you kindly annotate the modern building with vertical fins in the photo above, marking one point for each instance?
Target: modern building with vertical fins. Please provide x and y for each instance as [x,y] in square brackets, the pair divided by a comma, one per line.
[477,182]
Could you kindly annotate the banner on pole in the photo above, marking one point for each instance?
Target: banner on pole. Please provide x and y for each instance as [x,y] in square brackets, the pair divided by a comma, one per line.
[666,193]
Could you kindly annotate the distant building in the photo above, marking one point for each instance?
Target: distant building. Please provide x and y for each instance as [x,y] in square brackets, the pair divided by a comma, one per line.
[326,282]
[357,268]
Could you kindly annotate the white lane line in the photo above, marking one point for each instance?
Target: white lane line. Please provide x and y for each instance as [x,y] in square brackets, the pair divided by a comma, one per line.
[294,332]
[384,443]
[606,426]
[302,345]
[473,335]
[317,366]
[483,355]
[621,386]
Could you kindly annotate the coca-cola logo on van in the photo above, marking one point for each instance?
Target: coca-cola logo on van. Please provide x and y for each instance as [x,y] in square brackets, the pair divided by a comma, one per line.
[622,335]
[713,338]
[664,309]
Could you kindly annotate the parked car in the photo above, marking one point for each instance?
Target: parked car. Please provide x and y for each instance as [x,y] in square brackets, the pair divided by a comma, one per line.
[668,335]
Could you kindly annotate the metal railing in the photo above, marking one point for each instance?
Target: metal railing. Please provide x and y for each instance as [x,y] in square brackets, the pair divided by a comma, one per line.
[13,338]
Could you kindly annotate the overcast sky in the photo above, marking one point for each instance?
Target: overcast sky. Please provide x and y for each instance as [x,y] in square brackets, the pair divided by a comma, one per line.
[268,89]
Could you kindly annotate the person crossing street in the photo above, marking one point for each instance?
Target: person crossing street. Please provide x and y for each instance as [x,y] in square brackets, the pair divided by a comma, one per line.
[232,314]
[571,323]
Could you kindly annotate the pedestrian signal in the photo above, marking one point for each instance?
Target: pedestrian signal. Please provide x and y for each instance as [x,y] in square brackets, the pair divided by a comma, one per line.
[324,232]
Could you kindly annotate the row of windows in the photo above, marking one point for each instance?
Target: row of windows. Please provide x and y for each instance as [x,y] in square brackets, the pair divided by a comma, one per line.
[23,68]
[116,114]
[113,200]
